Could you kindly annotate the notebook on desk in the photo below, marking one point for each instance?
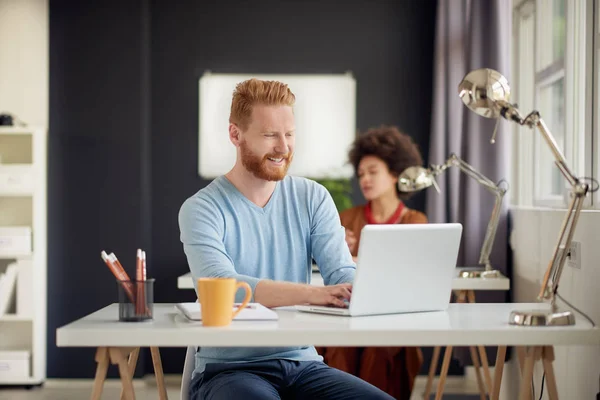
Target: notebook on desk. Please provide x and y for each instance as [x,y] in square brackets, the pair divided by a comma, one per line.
[254,312]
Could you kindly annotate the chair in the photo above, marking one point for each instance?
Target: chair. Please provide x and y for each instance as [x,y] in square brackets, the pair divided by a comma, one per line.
[188,368]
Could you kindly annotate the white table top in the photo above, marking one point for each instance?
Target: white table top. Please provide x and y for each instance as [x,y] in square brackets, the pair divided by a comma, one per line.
[460,325]
[500,283]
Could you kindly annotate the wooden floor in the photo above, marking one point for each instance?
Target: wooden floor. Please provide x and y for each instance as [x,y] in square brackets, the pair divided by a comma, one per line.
[81,389]
[456,389]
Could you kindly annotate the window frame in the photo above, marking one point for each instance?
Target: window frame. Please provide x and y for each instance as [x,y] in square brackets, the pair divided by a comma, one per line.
[593,111]
[579,68]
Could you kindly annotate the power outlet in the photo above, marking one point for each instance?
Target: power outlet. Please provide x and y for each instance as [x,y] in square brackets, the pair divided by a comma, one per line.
[574,255]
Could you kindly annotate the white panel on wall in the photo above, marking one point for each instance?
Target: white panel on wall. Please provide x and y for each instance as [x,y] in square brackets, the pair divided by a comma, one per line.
[24,60]
[325,114]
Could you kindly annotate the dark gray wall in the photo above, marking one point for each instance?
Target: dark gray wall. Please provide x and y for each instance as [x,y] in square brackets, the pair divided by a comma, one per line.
[124,121]
[97,162]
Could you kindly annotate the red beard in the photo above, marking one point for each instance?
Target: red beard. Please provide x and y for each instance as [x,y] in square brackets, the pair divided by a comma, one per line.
[261,167]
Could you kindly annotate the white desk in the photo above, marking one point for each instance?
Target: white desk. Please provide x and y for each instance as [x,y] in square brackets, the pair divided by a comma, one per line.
[461,325]
[465,292]
[500,283]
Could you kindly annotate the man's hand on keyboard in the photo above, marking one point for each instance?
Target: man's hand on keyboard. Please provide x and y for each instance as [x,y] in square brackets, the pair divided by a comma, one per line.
[334,295]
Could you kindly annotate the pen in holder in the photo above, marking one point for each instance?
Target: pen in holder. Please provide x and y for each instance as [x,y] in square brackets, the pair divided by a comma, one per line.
[139,307]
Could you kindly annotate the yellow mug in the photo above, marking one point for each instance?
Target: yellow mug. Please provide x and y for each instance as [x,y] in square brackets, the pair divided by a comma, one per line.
[216,300]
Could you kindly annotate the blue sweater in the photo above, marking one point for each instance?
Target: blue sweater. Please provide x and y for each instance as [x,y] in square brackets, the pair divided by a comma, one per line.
[226,235]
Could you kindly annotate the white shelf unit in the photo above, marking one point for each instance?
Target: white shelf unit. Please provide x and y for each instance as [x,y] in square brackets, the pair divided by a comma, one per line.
[23,203]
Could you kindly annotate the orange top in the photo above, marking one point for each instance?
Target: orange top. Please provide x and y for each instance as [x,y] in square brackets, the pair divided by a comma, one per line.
[354,220]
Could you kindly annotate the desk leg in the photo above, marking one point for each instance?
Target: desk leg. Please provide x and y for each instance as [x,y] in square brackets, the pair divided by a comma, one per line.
[521,351]
[469,296]
[533,353]
[118,356]
[482,392]
[443,373]
[521,357]
[133,357]
[126,359]
[497,383]
[432,367]
[101,368]
[547,360]
[158,373]
[461,297]
[485,365]
[546,353]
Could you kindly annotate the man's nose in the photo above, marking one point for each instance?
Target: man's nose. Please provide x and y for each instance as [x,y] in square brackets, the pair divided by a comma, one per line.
[282,145]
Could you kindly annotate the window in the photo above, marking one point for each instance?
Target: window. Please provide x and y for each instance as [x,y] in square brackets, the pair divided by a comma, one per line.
[550,61]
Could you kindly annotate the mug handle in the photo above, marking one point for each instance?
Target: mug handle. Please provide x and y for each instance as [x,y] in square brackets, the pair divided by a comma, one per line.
[246,299]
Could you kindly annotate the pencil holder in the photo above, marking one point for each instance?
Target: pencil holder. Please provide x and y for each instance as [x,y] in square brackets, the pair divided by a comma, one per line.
[136,300]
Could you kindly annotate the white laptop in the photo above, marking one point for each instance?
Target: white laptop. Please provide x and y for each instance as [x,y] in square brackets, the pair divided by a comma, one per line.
[401,268]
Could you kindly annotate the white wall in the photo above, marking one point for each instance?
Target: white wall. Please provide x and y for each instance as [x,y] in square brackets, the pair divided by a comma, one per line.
[534,235]
[24,38]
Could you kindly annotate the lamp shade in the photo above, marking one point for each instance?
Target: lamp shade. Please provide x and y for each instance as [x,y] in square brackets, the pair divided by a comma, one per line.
[483,91]
[413,179]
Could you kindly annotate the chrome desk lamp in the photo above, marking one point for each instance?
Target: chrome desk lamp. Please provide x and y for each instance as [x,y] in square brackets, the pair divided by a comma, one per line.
[418,178]
[486,92]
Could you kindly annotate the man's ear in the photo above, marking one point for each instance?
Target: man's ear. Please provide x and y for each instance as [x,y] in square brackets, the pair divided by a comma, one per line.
[235,135]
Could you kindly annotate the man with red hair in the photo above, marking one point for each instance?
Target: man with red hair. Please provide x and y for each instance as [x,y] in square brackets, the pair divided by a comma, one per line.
[258,225]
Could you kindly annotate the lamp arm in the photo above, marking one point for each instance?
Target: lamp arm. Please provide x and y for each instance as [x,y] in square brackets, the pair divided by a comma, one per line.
[534,120]
[470,171]
[579,190]
[492,227]
[561,250]
[490,234]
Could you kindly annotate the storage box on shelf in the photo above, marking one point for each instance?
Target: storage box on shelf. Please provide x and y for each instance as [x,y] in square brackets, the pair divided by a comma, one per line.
[23,261]
[17,180]
[15,241]
[15,364]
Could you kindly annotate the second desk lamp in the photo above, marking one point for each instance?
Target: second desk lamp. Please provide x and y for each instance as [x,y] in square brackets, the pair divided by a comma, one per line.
[418,178]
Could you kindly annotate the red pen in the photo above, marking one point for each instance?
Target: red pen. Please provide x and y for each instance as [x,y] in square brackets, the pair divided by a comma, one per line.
[119,273]
[139,277]
[117,263]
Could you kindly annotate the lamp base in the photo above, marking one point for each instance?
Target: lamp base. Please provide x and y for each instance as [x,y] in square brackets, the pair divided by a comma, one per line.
[472,273]
[541,318]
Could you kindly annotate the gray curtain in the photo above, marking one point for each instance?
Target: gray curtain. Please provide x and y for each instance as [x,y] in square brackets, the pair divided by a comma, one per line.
[470,34]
